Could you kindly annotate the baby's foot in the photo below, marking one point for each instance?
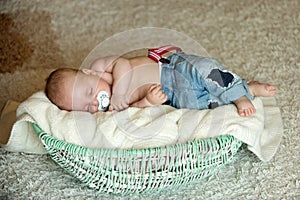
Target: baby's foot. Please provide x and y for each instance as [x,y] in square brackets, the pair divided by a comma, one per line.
[244,106]
[261,89]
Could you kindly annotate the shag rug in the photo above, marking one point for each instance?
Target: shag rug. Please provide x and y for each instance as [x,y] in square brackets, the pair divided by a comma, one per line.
[259,40]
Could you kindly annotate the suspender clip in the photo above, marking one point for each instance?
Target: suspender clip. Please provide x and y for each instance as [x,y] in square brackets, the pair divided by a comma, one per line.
[164,60]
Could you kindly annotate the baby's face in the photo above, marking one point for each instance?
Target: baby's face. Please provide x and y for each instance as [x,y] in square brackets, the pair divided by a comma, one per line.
[82,91]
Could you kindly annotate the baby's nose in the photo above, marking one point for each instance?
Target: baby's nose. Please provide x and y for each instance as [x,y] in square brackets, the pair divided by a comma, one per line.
[93,106]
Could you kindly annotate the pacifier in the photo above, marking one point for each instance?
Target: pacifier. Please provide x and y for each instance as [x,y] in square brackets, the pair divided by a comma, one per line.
[103,99]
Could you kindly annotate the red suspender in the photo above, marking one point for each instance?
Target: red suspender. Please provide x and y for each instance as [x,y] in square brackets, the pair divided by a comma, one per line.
[156,54]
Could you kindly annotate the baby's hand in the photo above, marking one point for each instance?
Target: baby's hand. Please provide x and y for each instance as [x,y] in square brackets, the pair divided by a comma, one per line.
[118,102]
[155,95]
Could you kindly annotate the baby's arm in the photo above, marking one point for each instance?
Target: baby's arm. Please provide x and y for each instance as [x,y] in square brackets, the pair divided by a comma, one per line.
[120,69]
[104,65]
[155,96]
[122,74]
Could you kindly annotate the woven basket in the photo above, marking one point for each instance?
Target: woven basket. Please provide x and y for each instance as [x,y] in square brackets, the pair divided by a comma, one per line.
[141,170]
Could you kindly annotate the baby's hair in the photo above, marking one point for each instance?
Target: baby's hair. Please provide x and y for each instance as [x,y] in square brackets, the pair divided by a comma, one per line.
[55,84]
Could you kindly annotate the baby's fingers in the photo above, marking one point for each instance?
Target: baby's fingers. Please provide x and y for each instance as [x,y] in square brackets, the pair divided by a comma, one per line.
[154,87]
[164,97]
[119,107]
[157,88]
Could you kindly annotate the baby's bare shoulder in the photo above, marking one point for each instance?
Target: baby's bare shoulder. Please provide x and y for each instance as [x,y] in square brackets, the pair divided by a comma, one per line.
[104,64]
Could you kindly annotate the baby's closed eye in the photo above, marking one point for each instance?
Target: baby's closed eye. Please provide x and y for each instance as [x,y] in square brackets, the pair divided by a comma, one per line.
[91,91]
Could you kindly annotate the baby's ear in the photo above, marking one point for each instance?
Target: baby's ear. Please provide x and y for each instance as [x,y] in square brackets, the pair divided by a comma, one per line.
[89,71]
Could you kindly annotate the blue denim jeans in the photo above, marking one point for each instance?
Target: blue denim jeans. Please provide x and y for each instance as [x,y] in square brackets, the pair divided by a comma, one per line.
[197,82]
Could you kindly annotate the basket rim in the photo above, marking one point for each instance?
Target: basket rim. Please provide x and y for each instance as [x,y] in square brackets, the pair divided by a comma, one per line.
[220,139]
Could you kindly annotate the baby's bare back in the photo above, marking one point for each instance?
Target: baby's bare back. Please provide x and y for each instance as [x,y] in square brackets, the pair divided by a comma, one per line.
[145,73]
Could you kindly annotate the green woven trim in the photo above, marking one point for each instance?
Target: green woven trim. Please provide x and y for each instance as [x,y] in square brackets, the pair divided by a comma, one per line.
[141,170]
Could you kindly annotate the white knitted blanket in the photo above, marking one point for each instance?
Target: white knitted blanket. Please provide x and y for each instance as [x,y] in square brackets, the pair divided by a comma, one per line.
[148,127]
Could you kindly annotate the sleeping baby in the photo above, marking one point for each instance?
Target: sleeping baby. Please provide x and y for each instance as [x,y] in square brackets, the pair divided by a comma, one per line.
[179,80]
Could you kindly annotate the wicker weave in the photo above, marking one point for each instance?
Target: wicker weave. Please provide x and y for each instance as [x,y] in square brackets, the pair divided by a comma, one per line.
[141,170]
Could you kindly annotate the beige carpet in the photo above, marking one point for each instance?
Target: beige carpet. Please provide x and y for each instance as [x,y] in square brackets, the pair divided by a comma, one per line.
[256,39]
